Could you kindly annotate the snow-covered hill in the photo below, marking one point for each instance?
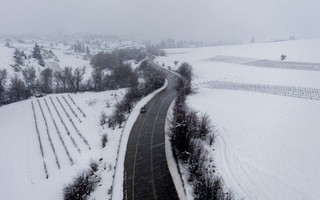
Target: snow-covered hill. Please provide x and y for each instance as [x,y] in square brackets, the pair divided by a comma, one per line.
[63,53]
[266,116]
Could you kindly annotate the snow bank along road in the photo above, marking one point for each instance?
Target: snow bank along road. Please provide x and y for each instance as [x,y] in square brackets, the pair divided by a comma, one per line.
[146,171]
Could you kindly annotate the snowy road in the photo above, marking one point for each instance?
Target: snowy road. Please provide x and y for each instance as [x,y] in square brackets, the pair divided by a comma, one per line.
[146,172]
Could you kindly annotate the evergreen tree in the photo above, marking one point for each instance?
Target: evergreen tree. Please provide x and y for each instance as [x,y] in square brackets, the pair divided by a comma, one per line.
[37,55]
[18,57]
[87,51]
[3,79]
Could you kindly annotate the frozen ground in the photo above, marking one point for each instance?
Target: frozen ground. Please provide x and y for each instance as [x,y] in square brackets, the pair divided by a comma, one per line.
[266,118]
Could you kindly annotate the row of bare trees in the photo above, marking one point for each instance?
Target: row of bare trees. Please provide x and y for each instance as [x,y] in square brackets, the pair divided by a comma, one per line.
[30,83]
[109,72]
[290,91]
[191,134]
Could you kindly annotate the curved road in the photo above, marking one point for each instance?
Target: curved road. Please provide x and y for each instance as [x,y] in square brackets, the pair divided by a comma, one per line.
[146,171]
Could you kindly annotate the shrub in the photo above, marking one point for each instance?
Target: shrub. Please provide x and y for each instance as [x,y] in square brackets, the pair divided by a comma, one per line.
[94,166]
[104,140]
[81,187]
[185,70]
[103,117]
[83,184]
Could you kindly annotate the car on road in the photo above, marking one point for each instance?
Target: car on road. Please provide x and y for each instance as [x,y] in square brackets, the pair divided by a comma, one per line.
[143,109]
[38,94]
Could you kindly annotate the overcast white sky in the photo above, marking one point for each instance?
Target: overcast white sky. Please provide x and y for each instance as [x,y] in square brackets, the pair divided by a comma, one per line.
[211,20]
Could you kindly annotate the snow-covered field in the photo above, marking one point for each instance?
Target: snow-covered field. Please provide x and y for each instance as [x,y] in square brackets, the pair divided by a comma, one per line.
[47,141]
[72,123]
[266,116]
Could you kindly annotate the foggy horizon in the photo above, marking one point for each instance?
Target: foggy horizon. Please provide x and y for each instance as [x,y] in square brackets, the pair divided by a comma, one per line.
[206,20]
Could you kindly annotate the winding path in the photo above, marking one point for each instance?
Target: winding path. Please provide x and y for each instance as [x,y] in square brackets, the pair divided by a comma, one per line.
[146,171]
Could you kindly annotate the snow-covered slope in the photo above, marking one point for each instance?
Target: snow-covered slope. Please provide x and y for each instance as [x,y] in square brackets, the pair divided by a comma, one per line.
[266,120]
[73,127]
[63,53]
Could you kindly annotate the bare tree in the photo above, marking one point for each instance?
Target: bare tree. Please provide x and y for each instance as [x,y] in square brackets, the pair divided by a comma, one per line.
[60,79]
[46,80]
[185,70]
[97,78]
[78,76]
[69,78]
[17,89]
[3,79]
[29,75]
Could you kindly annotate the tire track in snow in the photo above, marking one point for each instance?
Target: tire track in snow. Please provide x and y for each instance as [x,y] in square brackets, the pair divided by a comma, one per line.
[227,167]
[241,174]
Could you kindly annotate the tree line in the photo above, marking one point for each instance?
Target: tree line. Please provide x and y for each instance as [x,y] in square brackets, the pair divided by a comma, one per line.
[110,71]
[108,60]
[191,133]
[153,80]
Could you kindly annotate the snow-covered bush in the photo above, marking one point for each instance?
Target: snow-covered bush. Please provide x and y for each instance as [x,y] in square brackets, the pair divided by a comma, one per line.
[94,166]
[103,117]
[81,187]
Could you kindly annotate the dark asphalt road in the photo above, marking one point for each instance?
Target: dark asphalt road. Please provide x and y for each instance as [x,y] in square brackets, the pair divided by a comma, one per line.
[146,171]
